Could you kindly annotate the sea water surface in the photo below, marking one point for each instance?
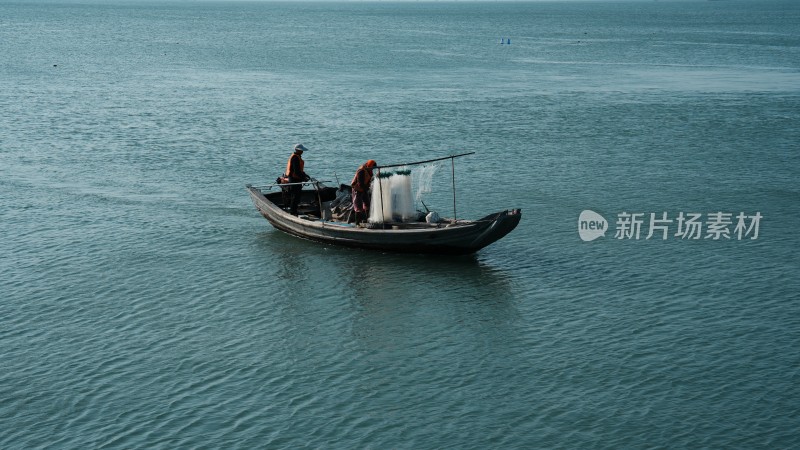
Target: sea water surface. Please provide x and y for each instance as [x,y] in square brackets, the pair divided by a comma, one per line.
[144,303]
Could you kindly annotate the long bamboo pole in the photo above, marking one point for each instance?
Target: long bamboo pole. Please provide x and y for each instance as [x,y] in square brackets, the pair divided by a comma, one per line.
[453,169]
[424,162]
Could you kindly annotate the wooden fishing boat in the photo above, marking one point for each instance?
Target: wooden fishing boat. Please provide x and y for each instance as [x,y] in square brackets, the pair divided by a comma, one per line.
[316,222]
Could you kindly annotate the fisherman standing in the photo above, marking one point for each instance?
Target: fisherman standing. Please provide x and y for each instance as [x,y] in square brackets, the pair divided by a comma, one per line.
[360,185]
[296,174]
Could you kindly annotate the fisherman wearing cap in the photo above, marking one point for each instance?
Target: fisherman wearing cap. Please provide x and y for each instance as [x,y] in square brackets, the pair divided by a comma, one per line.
[295,174]
[360,185]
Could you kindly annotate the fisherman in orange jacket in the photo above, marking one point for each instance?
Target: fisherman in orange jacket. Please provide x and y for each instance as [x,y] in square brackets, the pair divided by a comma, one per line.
[360,185]
[296,174]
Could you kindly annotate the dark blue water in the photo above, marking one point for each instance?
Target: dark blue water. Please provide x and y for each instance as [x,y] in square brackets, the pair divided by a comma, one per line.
[144,303]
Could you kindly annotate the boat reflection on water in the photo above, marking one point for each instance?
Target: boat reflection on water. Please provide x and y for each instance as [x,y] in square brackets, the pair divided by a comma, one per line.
[386,301]
[404,300]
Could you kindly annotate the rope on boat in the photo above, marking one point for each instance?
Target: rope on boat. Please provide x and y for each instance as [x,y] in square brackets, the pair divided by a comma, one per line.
[302,183]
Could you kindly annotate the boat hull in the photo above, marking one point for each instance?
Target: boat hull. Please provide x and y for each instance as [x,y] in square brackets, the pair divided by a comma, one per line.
[461,237]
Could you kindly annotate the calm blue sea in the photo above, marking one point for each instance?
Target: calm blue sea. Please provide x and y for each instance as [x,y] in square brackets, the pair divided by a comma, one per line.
[144,303]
